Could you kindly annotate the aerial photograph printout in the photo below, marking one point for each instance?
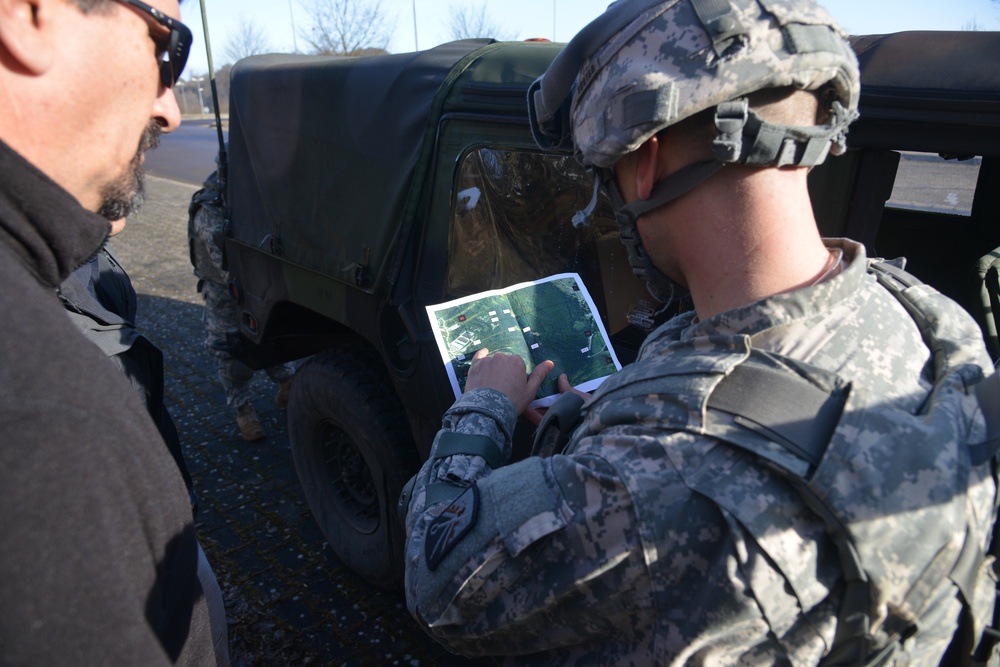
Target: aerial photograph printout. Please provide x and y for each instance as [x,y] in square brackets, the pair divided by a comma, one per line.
[553,318]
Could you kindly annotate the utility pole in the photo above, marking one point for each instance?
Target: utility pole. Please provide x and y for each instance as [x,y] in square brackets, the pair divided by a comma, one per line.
[295,42]
[416,45]
[223,157]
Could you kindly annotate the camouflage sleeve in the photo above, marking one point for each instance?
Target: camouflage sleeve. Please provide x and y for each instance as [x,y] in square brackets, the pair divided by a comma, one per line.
[205,253]
[478,412]
[562,528]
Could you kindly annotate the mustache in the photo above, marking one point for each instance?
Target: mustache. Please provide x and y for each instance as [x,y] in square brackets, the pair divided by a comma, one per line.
[150,138]
[125,196]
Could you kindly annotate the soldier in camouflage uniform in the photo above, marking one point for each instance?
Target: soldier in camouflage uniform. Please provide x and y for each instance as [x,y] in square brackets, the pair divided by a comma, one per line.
[205,227]
[652,538]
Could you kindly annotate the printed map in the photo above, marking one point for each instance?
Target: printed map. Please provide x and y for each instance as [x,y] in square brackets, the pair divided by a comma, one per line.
[552,318]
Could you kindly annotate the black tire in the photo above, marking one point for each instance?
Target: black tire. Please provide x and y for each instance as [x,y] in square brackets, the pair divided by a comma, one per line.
[353,453]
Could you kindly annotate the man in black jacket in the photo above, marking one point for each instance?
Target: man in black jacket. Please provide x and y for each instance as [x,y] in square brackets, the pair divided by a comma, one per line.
[98,556]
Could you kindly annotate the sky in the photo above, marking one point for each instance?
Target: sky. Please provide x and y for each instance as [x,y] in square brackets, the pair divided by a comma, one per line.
[557,20]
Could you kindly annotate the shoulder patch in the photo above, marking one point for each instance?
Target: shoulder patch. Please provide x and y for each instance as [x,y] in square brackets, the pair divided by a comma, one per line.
[450,526]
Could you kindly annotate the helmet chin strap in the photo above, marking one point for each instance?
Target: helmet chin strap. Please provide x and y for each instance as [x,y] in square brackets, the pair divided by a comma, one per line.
[660,287]
[742,137]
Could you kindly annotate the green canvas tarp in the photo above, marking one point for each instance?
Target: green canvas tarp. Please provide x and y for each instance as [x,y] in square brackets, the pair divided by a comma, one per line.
[323,150]
[912,81]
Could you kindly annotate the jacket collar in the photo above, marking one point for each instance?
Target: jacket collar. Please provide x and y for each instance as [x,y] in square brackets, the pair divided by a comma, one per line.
[42,223]
[781,309]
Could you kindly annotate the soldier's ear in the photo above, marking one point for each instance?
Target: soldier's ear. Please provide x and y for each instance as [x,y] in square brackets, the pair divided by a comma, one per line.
[647,167]
[27,40]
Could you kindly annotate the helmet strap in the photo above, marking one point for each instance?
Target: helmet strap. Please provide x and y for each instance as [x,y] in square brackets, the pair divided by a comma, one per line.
[660,287]
[746,138]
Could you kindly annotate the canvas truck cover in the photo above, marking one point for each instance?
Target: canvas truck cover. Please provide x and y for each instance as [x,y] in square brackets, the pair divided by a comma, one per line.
[912,81]
[323,152]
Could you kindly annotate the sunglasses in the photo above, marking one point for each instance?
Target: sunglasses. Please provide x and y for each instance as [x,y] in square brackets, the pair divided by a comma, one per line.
[177,47]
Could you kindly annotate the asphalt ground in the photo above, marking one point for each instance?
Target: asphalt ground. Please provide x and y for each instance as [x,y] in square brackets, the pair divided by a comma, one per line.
[289,600]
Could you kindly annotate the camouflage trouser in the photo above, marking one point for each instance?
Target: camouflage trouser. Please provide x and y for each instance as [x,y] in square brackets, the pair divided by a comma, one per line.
[220,320]
[221,313]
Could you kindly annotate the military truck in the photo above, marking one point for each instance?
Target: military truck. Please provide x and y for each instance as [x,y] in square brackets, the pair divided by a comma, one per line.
[361,190]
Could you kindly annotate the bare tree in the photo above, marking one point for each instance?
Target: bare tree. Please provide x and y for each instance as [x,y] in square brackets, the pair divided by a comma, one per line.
[247,40]
[468,22]
[347,27]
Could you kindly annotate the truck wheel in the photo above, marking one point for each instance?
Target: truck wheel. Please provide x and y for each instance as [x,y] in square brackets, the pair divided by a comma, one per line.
[353,453]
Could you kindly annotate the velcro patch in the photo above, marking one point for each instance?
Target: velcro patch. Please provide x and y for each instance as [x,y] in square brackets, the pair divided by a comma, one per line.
[450,526]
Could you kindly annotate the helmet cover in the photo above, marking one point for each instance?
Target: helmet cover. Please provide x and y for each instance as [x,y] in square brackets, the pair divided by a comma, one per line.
[677,58]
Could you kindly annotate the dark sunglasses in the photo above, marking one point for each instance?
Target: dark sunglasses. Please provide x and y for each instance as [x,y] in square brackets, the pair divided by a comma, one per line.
[178,45]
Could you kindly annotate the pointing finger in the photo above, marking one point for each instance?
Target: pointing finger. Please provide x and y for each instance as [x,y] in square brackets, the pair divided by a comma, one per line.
[538,374]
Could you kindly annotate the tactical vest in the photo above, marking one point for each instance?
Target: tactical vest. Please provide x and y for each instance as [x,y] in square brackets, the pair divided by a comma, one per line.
[805,424]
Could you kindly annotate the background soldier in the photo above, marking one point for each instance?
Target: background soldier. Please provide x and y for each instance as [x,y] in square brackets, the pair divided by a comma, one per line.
[205,223]
[785,473]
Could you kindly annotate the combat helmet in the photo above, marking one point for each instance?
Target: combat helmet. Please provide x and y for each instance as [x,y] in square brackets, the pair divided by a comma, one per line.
[645,65]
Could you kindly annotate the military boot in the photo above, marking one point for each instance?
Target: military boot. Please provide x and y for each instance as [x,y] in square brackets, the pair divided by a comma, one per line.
[284,388]
[249,423]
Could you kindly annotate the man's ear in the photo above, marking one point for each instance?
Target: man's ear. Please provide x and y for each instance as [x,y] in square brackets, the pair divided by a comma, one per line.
[26,37]
[647,167]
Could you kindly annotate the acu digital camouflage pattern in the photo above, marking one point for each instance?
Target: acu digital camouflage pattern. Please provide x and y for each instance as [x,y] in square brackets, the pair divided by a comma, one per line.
[664,67]
[221,317]
[650,543]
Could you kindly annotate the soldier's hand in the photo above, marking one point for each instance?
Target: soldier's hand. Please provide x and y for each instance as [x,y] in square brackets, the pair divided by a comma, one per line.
[534,415]
[508,374]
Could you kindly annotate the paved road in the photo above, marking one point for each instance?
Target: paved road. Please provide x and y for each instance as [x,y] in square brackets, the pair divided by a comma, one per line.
[290,600]
[188,153]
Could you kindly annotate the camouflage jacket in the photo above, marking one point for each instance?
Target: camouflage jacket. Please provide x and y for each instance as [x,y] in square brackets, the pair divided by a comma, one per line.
[647,542]
[206,219]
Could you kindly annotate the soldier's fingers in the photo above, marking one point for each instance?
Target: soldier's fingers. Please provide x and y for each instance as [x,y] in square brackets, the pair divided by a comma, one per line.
[485,352]
[534,415]
[565,386]
[538,374]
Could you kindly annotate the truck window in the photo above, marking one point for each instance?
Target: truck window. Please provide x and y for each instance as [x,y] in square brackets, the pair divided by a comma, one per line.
[512,216]
[928,220]
[928,182]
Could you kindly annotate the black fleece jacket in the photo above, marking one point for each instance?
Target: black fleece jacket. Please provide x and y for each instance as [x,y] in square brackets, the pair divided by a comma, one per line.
[97,545]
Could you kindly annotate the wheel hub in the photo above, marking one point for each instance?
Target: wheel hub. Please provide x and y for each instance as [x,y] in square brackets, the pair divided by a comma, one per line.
[351,484]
